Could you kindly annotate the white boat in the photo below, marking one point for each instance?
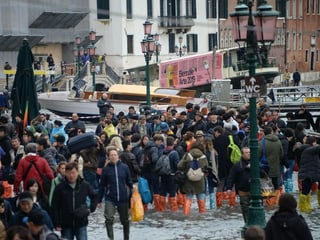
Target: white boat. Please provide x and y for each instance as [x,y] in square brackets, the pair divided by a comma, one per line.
[121,97]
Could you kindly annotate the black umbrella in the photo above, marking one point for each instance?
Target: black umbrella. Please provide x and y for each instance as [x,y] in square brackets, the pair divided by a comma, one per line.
[24,94]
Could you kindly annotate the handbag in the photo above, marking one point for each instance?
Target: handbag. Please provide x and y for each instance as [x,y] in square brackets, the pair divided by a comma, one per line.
[137,211]
[266,186]
[180,177]
[144,190]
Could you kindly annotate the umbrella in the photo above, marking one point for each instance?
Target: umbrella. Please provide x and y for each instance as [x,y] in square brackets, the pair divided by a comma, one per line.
[23,95]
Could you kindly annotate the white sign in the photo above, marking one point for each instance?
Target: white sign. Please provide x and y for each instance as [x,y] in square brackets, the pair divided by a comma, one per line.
[252,87]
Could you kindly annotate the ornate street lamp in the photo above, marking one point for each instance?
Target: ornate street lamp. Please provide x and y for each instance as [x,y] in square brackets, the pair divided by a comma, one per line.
[148,46]
[180,50]
[78,52]
[244,29]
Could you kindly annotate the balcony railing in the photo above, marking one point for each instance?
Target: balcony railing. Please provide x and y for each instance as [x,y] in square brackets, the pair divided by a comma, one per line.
[175,22]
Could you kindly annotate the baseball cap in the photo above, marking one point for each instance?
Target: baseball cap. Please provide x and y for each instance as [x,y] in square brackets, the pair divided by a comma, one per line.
[25,196]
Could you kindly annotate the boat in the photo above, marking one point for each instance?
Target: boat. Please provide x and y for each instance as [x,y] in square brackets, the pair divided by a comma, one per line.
[84,102]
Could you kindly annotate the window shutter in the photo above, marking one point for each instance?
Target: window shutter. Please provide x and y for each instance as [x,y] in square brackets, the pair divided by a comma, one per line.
[171,42]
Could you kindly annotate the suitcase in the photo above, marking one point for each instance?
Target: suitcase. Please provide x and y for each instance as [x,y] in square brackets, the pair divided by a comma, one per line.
[82,141]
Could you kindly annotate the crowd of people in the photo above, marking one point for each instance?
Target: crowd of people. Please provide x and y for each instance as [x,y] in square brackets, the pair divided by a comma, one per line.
[128,146]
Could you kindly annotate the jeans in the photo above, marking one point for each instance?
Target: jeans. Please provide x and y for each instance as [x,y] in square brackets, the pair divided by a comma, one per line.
[91,177]
[70,233]
[306,186]
[288,174]
[209,184]
[153,181]
[168,185]
[199,196]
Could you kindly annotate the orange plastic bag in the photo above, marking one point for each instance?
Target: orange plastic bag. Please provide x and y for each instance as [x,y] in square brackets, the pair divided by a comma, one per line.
[137,211]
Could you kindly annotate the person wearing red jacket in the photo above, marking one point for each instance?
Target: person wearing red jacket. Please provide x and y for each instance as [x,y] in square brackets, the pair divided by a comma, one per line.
[27,170]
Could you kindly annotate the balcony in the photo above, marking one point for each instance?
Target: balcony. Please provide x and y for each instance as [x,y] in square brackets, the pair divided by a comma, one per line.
[179,24]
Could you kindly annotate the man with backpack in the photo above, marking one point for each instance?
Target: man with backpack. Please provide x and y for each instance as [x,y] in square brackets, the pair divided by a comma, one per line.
[166,166]
[150,154]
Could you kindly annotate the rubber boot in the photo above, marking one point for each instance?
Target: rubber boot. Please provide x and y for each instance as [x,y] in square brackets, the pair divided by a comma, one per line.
[187,206]
[290,185]
[232,199]
[285,184]
[202,206]
[212,198]
[276,198]
[109,228]
[219,197]
[173,204]
[126,231]
[145,207]
[156,198]
[309,203]
[180,199]
[162,203]
[303,203]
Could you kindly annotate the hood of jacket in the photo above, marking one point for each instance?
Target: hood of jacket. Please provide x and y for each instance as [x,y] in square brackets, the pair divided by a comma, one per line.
[196,153]
[271,137]
[286,220]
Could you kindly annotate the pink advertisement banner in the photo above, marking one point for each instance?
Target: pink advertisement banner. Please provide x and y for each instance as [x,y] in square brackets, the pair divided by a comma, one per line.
[191,71]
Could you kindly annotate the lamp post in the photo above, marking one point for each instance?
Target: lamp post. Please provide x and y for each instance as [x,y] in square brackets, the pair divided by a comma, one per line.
[244,29]
[148,46]
[180,50]
[78,52]
[92,53]
[157,45]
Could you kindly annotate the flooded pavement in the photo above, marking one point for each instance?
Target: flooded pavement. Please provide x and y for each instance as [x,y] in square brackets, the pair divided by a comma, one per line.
[218,224]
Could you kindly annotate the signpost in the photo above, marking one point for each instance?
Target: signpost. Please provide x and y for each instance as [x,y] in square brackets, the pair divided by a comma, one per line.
[254,86]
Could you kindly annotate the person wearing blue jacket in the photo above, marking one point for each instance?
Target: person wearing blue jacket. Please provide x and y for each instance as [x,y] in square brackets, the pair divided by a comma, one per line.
[58,129]
[116,187]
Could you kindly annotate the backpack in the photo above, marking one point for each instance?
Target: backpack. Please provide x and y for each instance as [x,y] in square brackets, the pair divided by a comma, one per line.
[163,166]
[194,173]
[235,154]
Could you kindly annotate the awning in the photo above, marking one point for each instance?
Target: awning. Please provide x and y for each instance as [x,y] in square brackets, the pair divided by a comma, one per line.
[11,43]
[49,20]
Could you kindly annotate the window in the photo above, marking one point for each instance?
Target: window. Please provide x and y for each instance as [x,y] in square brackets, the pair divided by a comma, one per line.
[103,9]
[300,8]
[171,39]
[192,43]
[306,56]
[294,9]
[130,44]
[313,6]
[317,55]
[223,9]
[129,9]
[149,9]
[282,6]
[191,8]
[213,41]
[300,41]
[170,8]
[288,40]
[212,8]
[294,38]
[318,6]
[308,7]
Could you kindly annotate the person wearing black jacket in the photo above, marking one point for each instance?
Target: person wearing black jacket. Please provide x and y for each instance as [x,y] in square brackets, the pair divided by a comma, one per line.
[103,104]
[240,177]
[286,223]
[116,187]
[69,204]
